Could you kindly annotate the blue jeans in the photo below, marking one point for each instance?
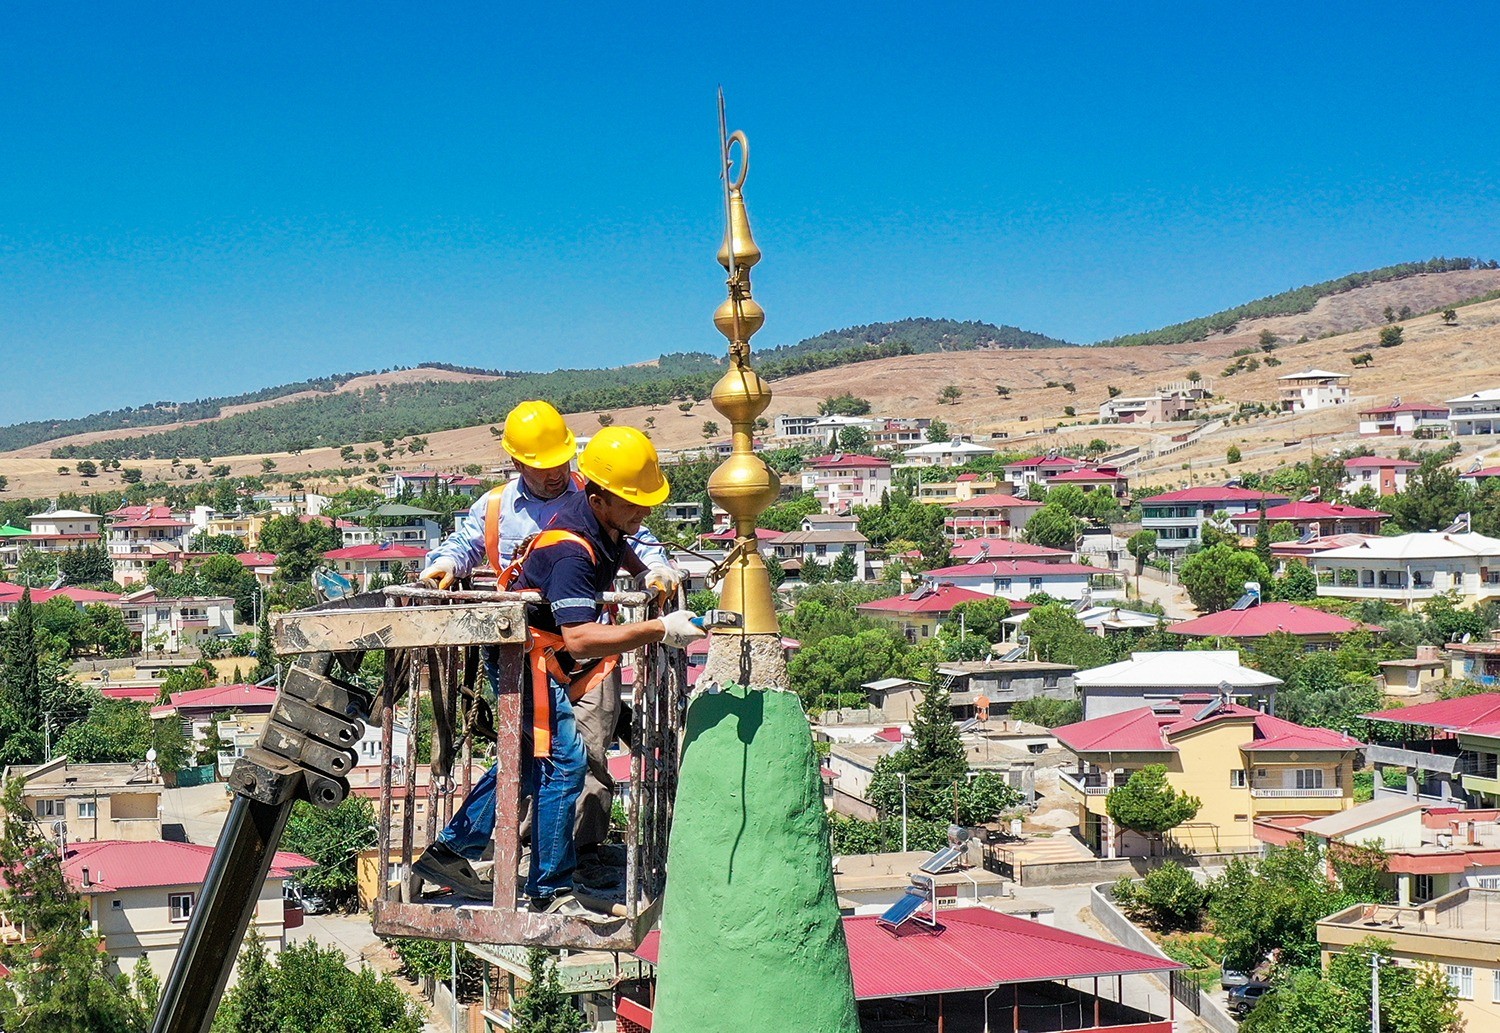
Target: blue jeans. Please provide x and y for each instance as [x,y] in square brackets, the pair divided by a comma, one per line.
[554,785]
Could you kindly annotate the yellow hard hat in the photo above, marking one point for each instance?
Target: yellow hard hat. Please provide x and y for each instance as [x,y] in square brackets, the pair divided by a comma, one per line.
[537,436]
[623,462]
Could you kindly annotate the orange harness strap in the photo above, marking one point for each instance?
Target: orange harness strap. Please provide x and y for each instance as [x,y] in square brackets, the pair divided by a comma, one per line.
[494,504]
[542,647]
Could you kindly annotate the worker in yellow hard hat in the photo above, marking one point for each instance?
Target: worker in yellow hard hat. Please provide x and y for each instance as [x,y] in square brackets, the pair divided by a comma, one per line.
[499,523]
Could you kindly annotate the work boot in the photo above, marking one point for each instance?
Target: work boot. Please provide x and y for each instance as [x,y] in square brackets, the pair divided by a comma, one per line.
[565,905]
[441,865]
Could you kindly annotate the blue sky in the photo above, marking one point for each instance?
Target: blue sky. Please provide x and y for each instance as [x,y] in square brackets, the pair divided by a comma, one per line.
[198,199]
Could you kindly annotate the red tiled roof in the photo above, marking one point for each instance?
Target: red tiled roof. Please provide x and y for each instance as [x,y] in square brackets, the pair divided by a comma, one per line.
[1268,618]
[256,559]
[1380,462]
[1013,568]
[891,734]
[850,459]
[1101,474]
[1143,730]
[151,521]
[1209,494]
[118,865]
[972,948]
[10,593]
[1052,463]
[1131,731]
[221,697]
[1488,471]
[942,599]
[964,477]
[997,500]
[1464,714]
[375,552]
[132,693]
[1312,511]
[1002,548]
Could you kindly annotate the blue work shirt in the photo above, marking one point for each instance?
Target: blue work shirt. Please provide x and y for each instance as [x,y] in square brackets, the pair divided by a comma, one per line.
[522,515]
[569,579]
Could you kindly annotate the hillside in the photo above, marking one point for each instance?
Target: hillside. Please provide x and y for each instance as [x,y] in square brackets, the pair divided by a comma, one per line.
[1434,363]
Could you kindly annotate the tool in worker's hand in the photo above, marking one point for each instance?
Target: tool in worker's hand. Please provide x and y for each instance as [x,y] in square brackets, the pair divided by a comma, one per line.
[711,619]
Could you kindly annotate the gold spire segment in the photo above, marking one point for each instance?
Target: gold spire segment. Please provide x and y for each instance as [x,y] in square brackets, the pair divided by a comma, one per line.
[743,485]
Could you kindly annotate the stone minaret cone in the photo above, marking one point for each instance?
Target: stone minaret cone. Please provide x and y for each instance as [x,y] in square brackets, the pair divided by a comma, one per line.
[751,934]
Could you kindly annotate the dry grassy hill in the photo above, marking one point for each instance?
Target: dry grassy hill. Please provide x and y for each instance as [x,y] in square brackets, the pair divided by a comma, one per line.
[1435,362]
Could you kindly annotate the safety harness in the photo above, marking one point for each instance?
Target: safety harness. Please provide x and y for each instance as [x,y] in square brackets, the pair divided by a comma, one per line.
[544,647]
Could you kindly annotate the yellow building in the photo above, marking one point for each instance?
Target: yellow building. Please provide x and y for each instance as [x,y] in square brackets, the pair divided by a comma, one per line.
[91,802]
[1458,932]
[1243,765]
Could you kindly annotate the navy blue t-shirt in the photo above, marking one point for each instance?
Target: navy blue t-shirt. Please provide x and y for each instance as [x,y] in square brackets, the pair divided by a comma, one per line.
[565,575]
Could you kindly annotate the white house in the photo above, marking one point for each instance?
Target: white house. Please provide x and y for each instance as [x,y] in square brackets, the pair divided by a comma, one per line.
[985,516]
[61,530]
[797,547]
[418,533]
[842,480]
[956,452]
[360,563]
[1412,567]
[1384,474]
[142,535]
[1148,679]
[789,426]
[1177,517]
[140,896]
[1402,419]
[1478,413]
[166,625]
[1313,389]
[1016,579]
[900,433]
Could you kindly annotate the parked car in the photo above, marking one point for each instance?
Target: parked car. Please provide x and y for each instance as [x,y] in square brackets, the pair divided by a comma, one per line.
[1229,978]
[1243,999]
[311,904]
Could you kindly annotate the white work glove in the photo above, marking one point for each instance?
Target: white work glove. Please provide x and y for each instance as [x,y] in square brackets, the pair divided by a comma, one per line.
[663,578]
[440,573]
[680,629]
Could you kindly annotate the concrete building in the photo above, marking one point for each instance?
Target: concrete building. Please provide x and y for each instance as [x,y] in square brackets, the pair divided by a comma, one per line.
[140,896]
[841,481]
[899,433]
[417,482]
[1006,549]
[1177,517]
[1313,389]
[171,624]
[1475,661]
[360,563]
[1242,764]
[1478,413]
[1403,419]
[197,709]
[789,426]
[963,487]
[1384,474]
[1459,933]
[1160,679]
[61,530]
[1017,579]
[1158,407]
[1449,749]
[795,548]
[955,452]
[1004,683]
[1412,568]
[89,802]
[988,516]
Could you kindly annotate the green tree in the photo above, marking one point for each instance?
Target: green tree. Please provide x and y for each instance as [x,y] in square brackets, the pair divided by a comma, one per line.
[949,394]
[843,405]
[1168,898]
[1450,316]
[250,1005]
[35,569]
[315,992]
[226,544]
[843,568]
[1148,804]
[1215,577]
[89,565]
[59,980]
[20,686]
[710,428]
[984,797]
[1056,635]
[265,651]
[813,571]
[1233,455]
[1390,336]
[332,837]
[1263,539]
[543,1007]
[933,762]
[1046,711]
[1299,584]
[982,618]
[838,665]
[853,439]
[1141,545]
[937,432]
[1054,527]
[107,631]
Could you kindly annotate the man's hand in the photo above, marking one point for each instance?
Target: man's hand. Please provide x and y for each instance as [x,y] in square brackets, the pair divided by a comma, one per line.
[441,573]
[663,578]
[680,631]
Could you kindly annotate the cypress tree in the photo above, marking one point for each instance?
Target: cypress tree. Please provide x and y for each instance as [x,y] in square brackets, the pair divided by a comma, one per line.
[21,738]
[544,1008]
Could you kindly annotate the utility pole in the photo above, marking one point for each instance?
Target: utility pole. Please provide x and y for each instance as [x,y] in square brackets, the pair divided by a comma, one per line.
[902,776]
[1374,993]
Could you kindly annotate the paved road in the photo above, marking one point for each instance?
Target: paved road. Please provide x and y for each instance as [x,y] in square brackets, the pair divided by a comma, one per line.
[1173,598]
[200,810]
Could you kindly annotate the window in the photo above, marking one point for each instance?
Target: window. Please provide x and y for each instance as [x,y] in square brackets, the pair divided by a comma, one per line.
[49,808]
[1422,888]
[180,906]
[1002,584]
[1461,978]
[88,809]
[117,905]
[1237,778]
[1036,584]
[1495,986]
[1309,778]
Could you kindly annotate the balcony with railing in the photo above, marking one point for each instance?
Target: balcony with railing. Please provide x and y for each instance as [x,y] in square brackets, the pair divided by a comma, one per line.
[1281,792]
[1090,782]
[1436,755]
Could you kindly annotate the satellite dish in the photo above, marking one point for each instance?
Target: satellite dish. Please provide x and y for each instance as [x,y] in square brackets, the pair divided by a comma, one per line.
[151,755]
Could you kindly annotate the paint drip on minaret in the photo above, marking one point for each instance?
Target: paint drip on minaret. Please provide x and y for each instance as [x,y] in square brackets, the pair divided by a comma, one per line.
[751,936]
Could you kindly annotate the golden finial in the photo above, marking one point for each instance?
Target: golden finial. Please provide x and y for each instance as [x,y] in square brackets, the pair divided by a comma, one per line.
[743,485]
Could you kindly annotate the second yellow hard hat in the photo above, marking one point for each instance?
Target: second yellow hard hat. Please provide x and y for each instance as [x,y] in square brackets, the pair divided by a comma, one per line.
[622,461]
[538,436]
